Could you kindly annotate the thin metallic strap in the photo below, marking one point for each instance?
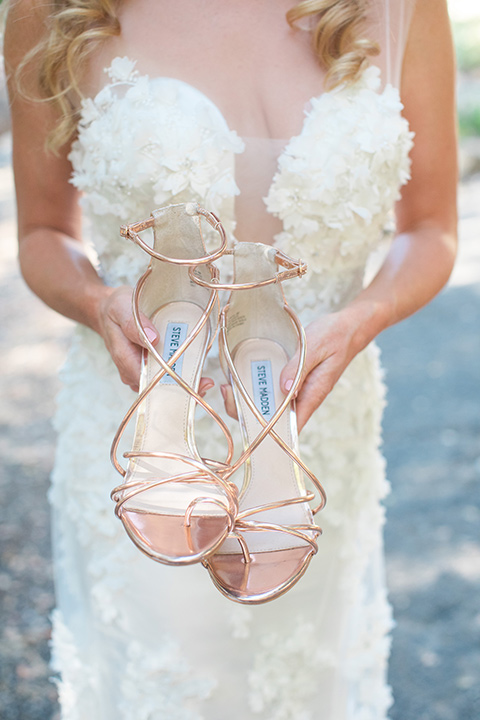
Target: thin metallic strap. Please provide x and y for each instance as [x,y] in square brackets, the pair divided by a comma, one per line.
[295,268]
[308,532]
[268,428]
[131,232]
[126,491]
[167,368]
[302,532]
[293,530]
[202,471]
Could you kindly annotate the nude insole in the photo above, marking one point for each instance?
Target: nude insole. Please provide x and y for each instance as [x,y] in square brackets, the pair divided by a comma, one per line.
[273,474]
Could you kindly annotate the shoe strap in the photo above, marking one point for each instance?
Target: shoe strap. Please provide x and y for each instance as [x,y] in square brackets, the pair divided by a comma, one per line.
[132,231]
[268,427]
[166,367]
[294,268]
[200,473]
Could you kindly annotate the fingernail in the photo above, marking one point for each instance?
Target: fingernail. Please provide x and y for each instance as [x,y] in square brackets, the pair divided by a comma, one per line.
[288,385]
[223,390]
[151,334]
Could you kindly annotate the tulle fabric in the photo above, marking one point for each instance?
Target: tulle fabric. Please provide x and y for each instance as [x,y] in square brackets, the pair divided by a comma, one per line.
[134,640]
[390,23]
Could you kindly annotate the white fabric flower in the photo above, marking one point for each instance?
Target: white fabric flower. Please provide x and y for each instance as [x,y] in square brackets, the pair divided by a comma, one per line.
[145,144]
[284,674]
[122,69]
[338,179]
[78,679]
[160,685]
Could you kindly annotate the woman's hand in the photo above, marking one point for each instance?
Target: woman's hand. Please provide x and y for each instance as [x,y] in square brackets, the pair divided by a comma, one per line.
[122,338]
[331,346]
[333,340]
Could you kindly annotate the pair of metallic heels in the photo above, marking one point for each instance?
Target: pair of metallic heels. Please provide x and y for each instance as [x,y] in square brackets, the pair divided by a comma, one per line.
[255,536]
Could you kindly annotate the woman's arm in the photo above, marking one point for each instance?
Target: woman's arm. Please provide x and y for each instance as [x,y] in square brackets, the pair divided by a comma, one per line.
[51,253]
[422,255]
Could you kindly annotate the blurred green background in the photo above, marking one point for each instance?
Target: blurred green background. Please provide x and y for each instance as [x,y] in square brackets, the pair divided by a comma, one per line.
[465,16]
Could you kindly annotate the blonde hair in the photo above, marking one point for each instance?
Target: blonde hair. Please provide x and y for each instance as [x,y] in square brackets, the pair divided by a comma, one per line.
[337,36]
[76,26]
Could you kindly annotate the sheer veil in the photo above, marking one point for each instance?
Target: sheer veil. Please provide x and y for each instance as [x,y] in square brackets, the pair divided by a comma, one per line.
[388,25]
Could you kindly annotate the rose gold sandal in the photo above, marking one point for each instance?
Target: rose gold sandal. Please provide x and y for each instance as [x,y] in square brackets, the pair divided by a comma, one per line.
[274,537]
[175,506]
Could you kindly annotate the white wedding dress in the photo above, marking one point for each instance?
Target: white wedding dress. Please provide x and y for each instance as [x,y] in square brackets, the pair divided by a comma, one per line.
[135,640]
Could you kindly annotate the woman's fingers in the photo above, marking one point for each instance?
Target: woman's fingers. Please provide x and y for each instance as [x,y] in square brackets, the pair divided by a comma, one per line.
[126,343]
[316,353]
[119,312]
[133,333]
[126,355]
[205,385]
[288,374]
[317,385]
[230,407]
[121,335]
[329,351]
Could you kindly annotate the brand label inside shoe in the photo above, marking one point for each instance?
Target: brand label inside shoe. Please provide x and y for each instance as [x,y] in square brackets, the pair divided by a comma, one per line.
[263,393]
[174,338]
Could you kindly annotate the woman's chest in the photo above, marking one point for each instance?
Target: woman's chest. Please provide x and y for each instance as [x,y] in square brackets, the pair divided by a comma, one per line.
[243,55]
[146,142]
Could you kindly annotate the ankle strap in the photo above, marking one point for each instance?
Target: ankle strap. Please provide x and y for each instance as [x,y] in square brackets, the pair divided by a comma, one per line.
[294,268]
[131,232]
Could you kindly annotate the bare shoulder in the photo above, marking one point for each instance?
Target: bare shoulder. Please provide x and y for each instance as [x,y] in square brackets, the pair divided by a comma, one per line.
[429,64]
[25,25]
[430,35]
[28,11]
[44,195]
[428,96]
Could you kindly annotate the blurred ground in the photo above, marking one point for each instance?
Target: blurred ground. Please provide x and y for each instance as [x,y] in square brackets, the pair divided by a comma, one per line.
[32,344]
[432,442]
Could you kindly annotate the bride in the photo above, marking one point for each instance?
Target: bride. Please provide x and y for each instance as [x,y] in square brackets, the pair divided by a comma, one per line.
[297,124]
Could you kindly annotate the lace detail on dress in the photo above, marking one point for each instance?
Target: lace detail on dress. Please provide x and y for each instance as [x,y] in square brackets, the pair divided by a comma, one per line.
[143,143]
[338,180]
[161,686]
[240,620]
[345,434]
[151,685]
[335,188]
[367,658]
[83,407]
[78,681]
[285,672]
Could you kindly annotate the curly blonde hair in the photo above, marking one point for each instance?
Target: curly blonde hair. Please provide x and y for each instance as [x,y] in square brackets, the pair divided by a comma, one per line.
[337,36]
[76,26]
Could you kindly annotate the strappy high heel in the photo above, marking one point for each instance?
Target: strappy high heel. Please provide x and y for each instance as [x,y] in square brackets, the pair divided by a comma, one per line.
[175,506]
[274,537]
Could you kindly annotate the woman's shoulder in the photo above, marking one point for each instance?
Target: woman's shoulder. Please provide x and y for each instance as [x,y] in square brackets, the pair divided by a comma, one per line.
[28,8]
[25,26]
[27,14]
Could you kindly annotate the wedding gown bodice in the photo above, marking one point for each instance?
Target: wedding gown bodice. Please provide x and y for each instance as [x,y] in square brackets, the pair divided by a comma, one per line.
[147,142]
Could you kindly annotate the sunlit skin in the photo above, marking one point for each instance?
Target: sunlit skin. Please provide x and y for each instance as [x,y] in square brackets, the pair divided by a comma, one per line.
[418,265]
